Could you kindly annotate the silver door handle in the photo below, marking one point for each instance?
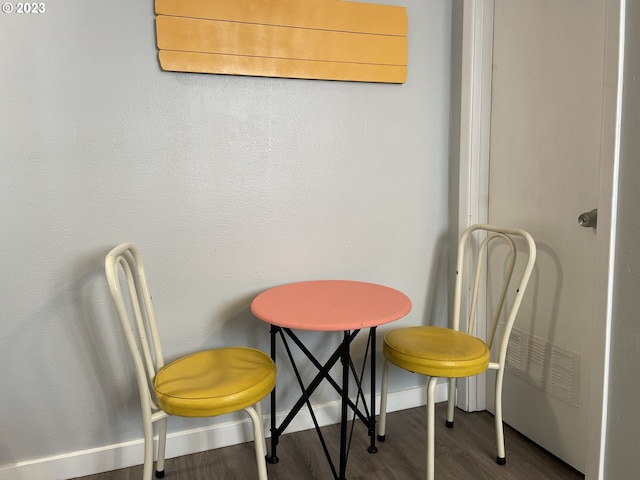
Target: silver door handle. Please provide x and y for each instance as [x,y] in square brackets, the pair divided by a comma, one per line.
[589,219]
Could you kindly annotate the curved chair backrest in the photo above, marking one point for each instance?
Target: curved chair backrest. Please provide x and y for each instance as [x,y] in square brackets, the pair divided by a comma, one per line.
[490,234]
[130,291]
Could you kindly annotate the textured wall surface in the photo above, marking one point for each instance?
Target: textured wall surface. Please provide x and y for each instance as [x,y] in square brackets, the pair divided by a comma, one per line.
[228,185]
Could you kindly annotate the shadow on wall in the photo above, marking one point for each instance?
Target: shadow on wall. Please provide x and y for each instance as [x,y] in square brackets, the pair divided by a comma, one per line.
[103,356]
[69,367]
[437,304]
[435,310]
[536,368]
[545,250]
[236,326]
[529,369]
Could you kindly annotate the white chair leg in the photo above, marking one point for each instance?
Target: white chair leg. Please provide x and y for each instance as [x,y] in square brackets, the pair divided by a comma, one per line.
[258,437]
[501,459]
[258,407]
[382,420]
[162,443]
[148,447]
[431,390]
[451,402]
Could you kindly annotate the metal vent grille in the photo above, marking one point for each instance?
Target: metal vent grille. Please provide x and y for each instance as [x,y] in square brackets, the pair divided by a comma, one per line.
[545,366]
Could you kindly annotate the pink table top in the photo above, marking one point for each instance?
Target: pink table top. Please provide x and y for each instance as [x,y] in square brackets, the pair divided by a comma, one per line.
[330,305]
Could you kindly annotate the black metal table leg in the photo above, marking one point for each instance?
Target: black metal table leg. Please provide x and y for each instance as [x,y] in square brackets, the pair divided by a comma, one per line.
[346,359]
[273,458]
[372,415]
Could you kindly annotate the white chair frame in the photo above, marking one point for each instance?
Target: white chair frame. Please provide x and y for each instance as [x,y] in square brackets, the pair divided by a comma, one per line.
[493,232]
[143,339]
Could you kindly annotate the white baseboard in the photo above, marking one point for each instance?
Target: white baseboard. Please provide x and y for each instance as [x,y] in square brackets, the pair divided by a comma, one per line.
[123,455]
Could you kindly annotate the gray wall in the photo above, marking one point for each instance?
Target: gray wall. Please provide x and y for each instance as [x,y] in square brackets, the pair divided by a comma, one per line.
[623,422]
[229,185]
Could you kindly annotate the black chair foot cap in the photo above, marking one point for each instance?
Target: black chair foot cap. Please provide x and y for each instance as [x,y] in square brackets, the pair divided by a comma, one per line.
[273,460]
[372,449]
[501,460]
[160,474]
[381,438]
[449,424]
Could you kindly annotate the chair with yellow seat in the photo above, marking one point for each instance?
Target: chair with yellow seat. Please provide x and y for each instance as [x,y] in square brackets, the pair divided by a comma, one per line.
[203,384]
[450,353]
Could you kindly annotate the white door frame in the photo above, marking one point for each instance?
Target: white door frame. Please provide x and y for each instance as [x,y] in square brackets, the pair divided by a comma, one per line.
[473,186]
[475,120]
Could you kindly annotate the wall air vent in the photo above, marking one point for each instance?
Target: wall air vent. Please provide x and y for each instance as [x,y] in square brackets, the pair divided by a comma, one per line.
[543,365]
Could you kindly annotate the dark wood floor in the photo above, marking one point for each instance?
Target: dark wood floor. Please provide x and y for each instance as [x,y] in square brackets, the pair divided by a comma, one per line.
[466,452]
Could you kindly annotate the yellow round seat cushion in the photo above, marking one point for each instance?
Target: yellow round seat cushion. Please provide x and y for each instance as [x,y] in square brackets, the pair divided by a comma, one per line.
[214,382]
[436,351]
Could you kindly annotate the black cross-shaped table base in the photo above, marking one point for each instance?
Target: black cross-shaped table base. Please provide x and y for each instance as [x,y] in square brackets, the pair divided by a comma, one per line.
[366,413]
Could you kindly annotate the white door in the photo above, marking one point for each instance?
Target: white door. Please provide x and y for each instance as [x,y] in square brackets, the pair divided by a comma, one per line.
[548,92]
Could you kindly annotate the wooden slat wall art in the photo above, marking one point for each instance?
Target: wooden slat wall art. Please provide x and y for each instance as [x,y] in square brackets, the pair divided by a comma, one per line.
[312,39]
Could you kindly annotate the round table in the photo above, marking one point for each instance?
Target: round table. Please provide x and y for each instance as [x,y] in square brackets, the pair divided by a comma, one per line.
[329,305]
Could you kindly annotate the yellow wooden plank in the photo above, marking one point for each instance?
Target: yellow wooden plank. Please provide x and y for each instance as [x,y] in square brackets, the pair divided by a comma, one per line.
[278,67]
[232,38]
[335,15]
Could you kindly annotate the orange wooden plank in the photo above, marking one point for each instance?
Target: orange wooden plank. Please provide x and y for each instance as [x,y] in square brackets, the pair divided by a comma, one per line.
[278,67]
[335,15]
[232,38]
